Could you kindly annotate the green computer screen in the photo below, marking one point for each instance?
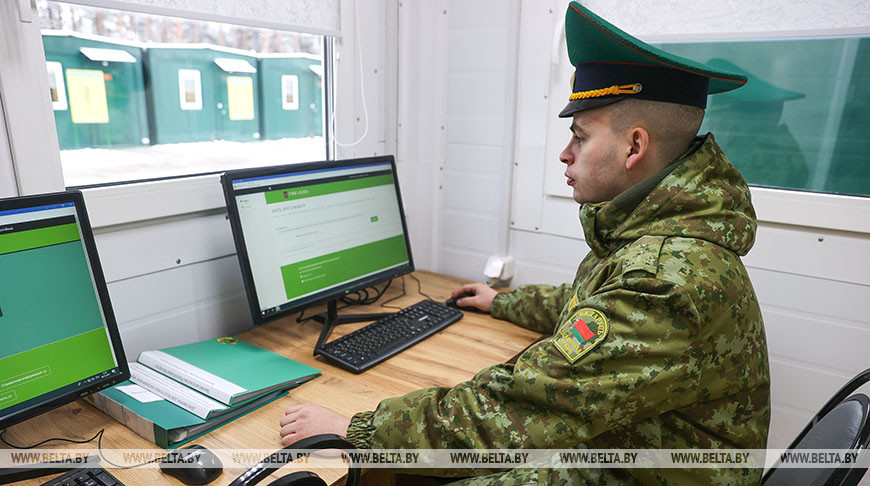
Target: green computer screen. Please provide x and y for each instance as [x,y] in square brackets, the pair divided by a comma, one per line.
[318,229]
[55,338]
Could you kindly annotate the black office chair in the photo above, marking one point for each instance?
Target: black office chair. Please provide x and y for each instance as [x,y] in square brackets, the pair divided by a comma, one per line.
[841,424]
[304,478]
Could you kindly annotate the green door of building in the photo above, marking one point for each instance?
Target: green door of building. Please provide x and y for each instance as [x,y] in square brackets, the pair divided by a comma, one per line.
[97,92]
[292,96]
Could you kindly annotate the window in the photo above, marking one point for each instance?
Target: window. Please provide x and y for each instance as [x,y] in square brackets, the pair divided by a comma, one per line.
[212,97]
[56,87]
[290,92]
[799,122]
[190,89]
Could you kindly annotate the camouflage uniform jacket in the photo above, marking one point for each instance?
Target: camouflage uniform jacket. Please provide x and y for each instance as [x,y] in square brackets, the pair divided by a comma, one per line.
[679,360]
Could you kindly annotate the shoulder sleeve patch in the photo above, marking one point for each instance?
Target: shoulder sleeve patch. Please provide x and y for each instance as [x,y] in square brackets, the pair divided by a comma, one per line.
[584,330]
[643,254]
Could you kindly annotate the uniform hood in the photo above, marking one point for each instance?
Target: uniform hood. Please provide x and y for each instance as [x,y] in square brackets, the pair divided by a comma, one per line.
[700,195]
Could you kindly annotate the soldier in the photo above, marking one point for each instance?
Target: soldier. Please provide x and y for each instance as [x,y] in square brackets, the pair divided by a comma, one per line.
[659,341]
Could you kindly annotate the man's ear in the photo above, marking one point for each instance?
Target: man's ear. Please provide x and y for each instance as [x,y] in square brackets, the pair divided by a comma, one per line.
[638,146]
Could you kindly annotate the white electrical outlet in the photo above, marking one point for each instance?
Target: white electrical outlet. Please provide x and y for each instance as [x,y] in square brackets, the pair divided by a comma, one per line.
[499,267]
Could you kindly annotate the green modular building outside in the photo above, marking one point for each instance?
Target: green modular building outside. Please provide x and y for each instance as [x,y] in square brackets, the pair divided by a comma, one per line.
[97,92]
[291,89]
[201,94]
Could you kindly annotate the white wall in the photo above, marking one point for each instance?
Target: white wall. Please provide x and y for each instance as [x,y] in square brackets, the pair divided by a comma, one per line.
[419,128]
[706,17]
[173,281]
[475,173]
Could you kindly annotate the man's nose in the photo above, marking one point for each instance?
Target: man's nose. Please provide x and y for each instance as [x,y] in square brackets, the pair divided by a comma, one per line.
[566,157]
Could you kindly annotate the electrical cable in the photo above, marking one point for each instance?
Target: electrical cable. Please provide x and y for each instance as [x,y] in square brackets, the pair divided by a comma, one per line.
[355,298]
[419,288]
[98,436]
[362,91]
[74,441]
[384,303]
[367,300]
[102,457]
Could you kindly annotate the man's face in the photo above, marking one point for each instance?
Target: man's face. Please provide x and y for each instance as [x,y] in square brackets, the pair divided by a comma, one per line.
[594,168]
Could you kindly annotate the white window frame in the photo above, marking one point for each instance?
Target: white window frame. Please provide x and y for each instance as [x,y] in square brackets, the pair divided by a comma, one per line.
[294,79]
[34,154]
[55,70]
[184,75]
[8,187]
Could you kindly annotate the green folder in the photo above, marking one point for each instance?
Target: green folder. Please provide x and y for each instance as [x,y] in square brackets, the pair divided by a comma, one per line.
[164,423]
[242,376]
[251,369]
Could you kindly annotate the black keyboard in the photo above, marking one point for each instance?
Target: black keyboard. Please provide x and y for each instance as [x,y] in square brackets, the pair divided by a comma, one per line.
[368,346]
[85,476]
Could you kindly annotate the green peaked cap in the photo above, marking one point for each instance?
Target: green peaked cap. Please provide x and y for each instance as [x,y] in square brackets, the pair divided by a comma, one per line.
[604,56]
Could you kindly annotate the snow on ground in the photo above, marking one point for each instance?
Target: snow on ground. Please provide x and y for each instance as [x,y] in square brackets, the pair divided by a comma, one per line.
[100,166]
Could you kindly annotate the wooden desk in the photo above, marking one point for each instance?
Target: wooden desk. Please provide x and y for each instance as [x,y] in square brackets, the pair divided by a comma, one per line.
[444,359]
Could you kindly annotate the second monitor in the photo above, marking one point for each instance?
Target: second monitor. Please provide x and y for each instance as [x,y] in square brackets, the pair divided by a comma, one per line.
[309,233]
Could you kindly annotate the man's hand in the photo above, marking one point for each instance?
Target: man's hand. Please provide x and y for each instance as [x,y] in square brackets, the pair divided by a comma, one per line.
[482,298]
[302,421]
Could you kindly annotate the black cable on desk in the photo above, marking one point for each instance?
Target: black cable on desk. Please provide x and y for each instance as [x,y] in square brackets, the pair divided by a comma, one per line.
[419,289]
[98,436]
[74,441]
[100,450]
[360,297]
[384,303]
[356,298]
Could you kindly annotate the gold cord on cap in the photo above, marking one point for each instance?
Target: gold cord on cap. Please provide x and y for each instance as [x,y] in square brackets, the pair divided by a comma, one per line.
[613,90]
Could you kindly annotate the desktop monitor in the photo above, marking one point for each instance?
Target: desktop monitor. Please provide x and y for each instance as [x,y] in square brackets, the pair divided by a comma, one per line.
[310,233]
[60,341]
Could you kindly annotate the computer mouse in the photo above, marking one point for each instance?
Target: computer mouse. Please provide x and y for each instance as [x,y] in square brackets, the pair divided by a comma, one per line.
[192,465]
[451,302]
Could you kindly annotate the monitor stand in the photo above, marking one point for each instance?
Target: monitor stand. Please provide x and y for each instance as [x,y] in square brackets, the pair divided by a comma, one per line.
[331,319]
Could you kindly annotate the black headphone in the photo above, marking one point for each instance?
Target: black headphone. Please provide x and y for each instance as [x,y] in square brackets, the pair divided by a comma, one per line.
[278,458]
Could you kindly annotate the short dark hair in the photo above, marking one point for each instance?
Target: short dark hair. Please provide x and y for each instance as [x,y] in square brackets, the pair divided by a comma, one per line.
[673,125]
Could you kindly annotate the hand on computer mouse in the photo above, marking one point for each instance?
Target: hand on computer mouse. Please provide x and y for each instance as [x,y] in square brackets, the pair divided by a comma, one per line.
[453,301]
[192,465]
[477,295]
